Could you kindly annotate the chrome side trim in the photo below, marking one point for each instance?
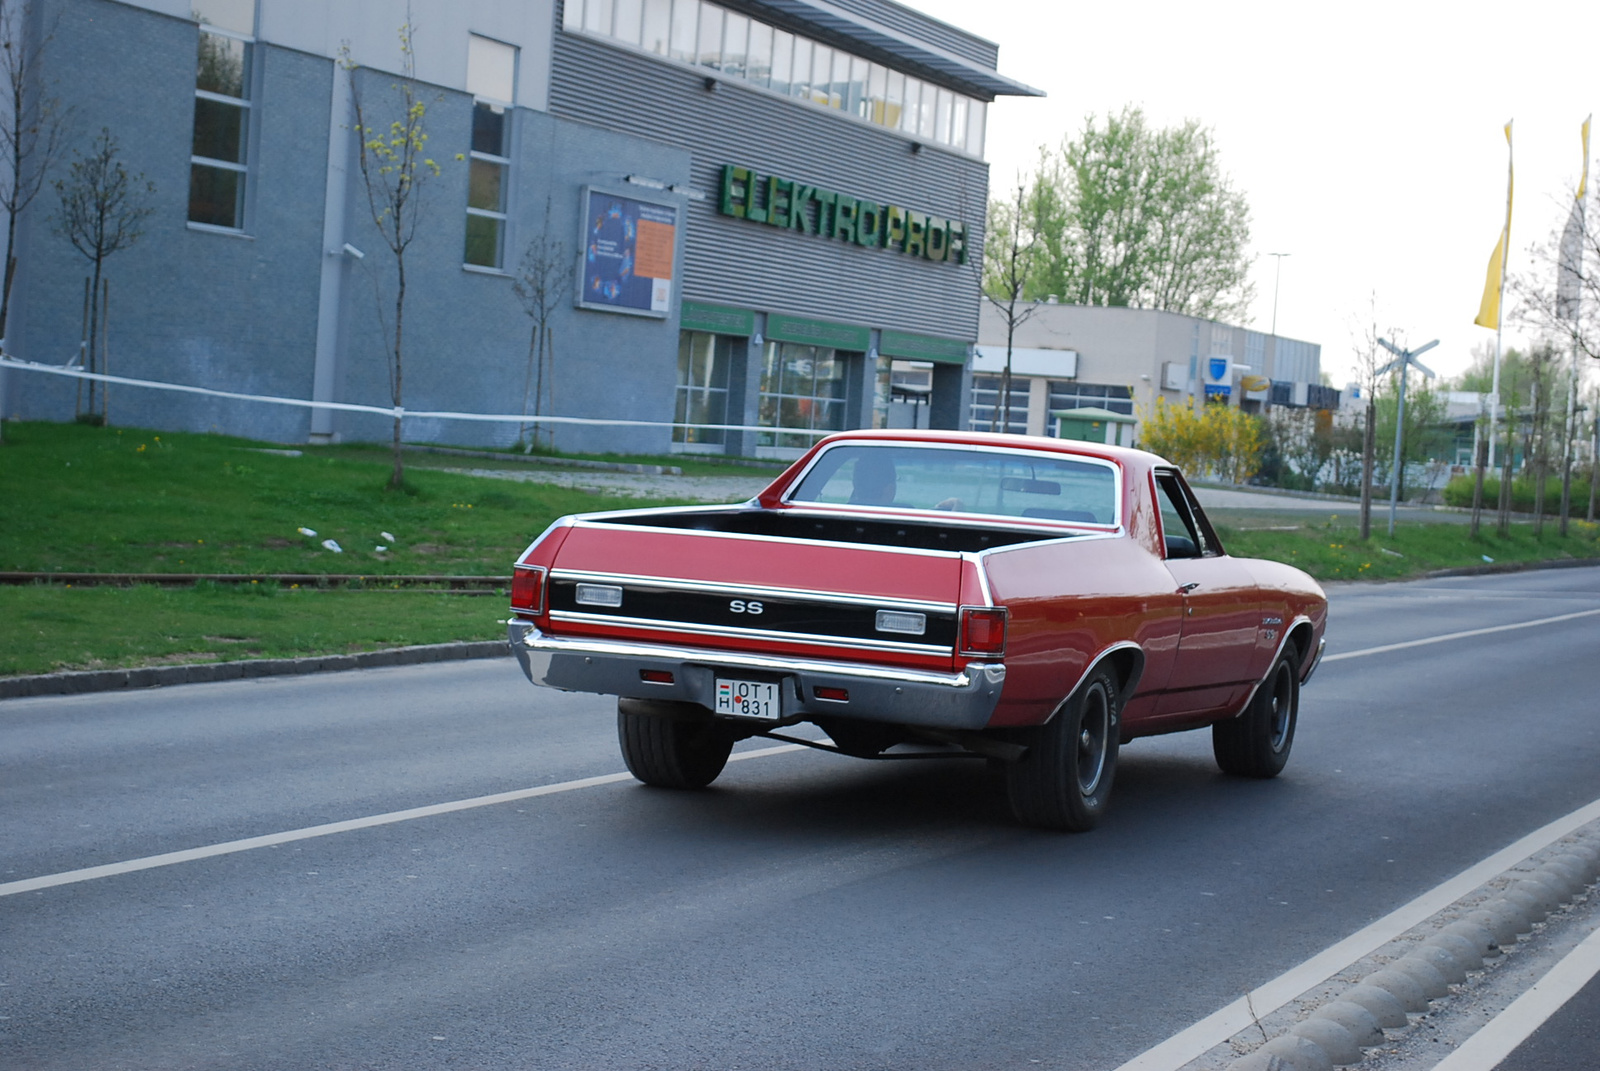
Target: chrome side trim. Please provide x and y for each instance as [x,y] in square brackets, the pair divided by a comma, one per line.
[696,629]
[672,584]
[1316,660]
[1277,654]
[1133,681]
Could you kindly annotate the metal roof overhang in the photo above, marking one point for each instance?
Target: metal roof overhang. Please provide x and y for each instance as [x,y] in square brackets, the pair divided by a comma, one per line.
[973,77]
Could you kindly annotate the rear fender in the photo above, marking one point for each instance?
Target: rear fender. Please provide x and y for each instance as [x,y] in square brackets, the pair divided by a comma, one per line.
[1125,660]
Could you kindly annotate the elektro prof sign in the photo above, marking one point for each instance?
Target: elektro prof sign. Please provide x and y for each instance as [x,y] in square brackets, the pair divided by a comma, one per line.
[791,205]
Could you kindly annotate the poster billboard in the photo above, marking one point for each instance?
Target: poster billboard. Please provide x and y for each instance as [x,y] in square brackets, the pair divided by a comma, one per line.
[629,246]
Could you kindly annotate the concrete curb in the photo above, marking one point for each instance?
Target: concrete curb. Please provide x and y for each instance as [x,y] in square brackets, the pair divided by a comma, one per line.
[1514,567]
[113,680]
[1455,944]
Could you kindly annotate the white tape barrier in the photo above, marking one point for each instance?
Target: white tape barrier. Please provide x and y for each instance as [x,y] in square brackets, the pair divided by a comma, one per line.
[393,411]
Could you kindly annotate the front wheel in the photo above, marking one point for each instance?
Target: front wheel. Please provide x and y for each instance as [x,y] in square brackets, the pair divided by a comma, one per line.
[671,745]
[1257,742]
[1064,780]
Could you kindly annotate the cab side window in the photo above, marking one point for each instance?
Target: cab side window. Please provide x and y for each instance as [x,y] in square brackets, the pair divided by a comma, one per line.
[1183,538]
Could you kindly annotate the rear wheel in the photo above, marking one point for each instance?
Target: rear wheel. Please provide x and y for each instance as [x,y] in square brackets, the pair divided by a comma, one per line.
[671,745]
[1064,780]
[1257,742]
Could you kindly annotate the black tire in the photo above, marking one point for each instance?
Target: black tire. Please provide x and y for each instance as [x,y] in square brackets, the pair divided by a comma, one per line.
[1064,780]
[671,745]
[1257,742]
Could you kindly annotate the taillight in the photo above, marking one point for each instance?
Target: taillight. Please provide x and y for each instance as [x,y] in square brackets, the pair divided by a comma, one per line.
[983,631]
[527,589]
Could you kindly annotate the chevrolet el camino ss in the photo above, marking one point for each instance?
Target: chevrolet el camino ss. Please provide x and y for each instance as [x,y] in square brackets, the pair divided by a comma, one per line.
[1036,602]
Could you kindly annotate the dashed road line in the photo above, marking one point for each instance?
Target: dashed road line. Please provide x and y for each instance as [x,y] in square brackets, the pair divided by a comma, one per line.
[231,847]
[1428,640]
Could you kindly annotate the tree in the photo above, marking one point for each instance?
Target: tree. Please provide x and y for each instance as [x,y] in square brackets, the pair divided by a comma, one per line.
[1425,438]
[103,209]
[31,127]
[543,277]
[394,169]
[1135,216]
[1560,297]
[1300,442]
[1219,439]
[1009,248]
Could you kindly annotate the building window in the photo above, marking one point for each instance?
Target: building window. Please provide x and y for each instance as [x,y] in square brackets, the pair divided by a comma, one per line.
[985,412]
[802,387]
[703,362]
[492,81]
[703,34]
[1066,394]
[219,151]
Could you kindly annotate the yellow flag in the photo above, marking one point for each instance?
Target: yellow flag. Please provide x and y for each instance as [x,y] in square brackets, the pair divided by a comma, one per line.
[1489,307]
[1583,183]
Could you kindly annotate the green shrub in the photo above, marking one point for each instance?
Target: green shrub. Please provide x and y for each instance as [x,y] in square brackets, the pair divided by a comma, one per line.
[1458,492]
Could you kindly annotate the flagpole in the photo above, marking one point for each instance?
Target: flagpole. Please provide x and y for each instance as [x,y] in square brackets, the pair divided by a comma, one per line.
[1499,313]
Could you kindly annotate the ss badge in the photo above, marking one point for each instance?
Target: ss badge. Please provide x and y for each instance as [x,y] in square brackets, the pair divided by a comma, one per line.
[740,606]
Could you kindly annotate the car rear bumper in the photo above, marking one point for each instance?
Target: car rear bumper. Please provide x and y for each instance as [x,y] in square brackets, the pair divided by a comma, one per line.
[963,700]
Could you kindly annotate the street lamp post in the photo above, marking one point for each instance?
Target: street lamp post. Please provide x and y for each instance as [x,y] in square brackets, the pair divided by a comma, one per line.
[1277,272]
[1403,359]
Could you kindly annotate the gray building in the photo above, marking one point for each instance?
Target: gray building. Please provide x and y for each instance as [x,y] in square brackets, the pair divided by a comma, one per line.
[754,211]
[1121,360]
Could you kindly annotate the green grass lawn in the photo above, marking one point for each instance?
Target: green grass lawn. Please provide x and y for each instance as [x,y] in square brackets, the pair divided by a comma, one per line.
[1333,550]
[82,499]
[55,627]
[75,498]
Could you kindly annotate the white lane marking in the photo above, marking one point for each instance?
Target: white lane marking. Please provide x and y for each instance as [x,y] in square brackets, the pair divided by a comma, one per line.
[1457,636]
[1500,1036]
[1220,1025]
[150,862]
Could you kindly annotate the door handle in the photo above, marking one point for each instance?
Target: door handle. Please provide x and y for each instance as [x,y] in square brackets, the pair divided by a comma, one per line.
[1186,588]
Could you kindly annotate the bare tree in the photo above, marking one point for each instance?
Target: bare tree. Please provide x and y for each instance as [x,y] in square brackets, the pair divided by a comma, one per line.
[1008,259]
[1560,297]
[394,168]
[103,209]
[543,278]
[31,129]
[1364,337]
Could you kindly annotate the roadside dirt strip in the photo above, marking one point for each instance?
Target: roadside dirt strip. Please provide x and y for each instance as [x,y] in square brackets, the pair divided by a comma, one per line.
[1371,994]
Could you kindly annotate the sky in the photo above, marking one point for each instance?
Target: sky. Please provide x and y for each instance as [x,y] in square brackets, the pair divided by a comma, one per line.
[1367,138]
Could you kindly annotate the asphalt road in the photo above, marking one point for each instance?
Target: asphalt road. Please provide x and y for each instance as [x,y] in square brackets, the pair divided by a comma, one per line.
[808,912]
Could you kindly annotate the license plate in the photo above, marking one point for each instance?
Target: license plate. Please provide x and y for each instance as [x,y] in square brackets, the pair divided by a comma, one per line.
[748,699]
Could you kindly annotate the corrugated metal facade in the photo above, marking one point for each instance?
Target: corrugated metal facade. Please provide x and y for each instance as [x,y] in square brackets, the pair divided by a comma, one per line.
[736,262]
[920,26]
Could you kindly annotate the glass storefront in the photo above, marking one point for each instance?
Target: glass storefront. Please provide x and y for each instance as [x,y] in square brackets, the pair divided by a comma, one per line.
[985,413]
[702,396]
[802,387]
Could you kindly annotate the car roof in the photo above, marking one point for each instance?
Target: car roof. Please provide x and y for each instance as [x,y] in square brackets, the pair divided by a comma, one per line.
[1126,456]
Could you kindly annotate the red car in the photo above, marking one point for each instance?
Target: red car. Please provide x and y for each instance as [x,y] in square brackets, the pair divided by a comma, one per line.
[1037,602]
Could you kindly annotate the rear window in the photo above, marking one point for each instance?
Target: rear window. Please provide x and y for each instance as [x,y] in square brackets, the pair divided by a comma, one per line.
[988,482]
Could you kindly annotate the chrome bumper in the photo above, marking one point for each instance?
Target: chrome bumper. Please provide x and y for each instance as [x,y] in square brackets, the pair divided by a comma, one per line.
[963,700]
[1322,647]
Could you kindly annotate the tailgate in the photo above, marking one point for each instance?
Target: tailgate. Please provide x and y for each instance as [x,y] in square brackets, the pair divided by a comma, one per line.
[856,602]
